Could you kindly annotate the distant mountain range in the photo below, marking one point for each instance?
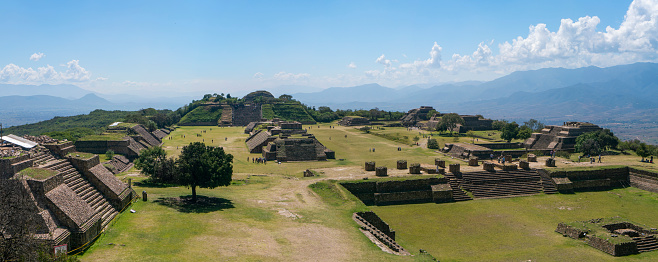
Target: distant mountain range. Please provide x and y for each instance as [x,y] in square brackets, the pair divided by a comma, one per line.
[620,97]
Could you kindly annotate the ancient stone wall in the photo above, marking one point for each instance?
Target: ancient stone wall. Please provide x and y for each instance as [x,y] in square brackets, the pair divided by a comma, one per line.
[403,197]
[622,249]
[402,164]
[414,168]
[500,145]
[11,166]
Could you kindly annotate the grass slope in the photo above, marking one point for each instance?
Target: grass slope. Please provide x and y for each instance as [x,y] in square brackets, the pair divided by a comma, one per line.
[202,114]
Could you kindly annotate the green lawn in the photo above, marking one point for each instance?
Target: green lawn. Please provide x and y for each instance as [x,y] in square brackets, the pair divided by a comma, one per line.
[517,229]
[353,149]
[249,220]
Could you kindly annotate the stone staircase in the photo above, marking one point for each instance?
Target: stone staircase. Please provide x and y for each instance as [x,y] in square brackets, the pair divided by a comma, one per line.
[227,116]
[42,157]
[547,183]
[486,184]
[85,190]
[646,244]
[457,193]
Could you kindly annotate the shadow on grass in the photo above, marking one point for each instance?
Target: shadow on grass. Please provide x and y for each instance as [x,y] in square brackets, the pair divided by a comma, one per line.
[150,183]
[203,204]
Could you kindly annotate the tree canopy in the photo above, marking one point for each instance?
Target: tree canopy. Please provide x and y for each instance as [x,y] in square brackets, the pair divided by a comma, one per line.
[449,122]
[154,163]
[594,143]
[204,166]
[510,131]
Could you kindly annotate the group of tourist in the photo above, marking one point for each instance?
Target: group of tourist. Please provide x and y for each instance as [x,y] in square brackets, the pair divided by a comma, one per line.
[647,160]
[258,160]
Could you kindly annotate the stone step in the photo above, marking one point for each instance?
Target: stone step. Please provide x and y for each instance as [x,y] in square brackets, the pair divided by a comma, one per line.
[109,218]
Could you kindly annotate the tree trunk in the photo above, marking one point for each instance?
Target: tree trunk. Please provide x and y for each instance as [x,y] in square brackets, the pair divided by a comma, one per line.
[194,194]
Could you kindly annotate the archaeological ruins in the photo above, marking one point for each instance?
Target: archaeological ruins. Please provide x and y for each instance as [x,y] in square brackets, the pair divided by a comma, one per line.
[72,194]
[285,141]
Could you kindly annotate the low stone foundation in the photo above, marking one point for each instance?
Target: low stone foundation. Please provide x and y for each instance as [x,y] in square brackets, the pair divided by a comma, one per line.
[550,162]
[440,163]
[473,161]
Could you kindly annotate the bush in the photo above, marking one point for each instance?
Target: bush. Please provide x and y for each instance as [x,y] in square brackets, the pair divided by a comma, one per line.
[432,143]
[109,154]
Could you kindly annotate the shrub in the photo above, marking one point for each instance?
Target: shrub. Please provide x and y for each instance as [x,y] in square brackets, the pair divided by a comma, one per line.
[432,143]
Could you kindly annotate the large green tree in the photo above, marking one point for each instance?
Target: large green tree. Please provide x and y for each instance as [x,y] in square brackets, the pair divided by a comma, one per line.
[153,162]
[449,122]
[600,140]
[588,144]
[204,166]
[510,131]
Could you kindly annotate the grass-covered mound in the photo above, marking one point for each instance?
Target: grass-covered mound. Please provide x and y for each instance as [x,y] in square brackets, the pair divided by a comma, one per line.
[201,114]
[289,111]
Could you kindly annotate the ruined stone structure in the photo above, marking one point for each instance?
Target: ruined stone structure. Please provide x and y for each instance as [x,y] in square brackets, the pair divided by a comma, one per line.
[473,123]
[371,224]
[421,190]
[570,181]
[381,171]
[75,201]
[297,148]
[559,137]
[354,121]
[412,117]
[286,141]
[240,114]
[612,235]
[136,138]
[466,151]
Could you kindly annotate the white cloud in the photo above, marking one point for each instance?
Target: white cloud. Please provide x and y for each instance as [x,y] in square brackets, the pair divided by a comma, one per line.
[290,76]
[36,56]
[258,75]
[382,60]
[351,65]
[74,73]
[574,44]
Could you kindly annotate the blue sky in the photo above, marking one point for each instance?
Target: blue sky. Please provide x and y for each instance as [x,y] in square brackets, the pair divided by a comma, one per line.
[240,46]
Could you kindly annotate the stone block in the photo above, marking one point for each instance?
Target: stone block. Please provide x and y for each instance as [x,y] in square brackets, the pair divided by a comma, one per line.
[439,162]
[402,164]
[550,162]
[488,166]
[473,161]
[370,166]
[308,173]
[454,168]
[532,158]
[524,164]
[381,171]
[414,168]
